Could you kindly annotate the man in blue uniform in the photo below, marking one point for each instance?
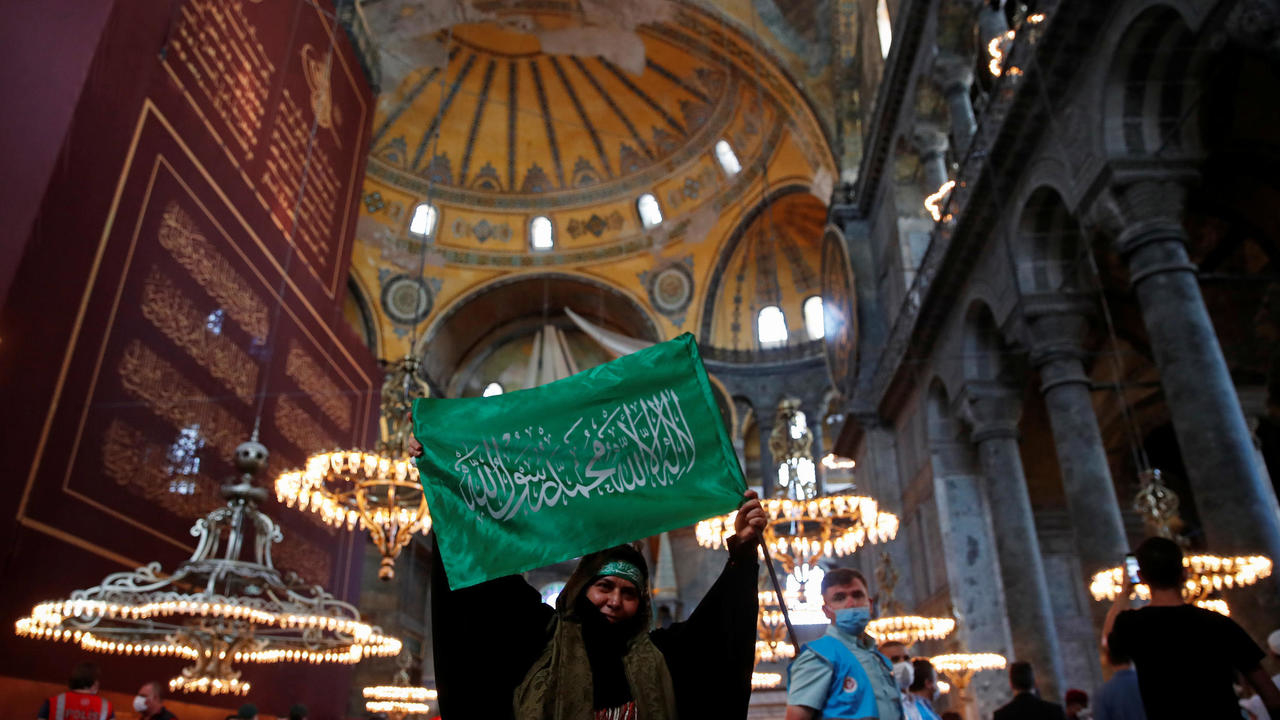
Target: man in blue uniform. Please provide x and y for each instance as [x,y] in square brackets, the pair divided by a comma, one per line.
[841,675]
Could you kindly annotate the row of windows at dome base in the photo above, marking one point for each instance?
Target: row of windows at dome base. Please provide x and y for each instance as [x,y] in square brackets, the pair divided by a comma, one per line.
[771,328]
[771,323]
[542,235]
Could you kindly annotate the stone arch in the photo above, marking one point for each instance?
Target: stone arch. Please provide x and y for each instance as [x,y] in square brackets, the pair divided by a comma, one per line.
[1049,246]
[359,313]
[985,351]
[500,310]
[1152,88]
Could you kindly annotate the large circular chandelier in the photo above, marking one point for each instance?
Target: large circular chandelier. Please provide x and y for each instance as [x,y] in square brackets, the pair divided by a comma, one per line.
[961,667]
[765,680]
[401,699]
[772,642]
[219,607]
[897,626]
[801,526]
[378,491]
[1206,574]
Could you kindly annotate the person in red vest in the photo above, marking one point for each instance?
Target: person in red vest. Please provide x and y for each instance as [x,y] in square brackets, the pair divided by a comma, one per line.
[82,701]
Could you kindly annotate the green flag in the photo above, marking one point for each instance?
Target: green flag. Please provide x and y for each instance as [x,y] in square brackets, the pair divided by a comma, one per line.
[624,450]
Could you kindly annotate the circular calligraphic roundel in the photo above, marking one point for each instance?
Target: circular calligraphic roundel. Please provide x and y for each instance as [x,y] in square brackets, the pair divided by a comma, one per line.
[406,299]
[839,312]
[671,289]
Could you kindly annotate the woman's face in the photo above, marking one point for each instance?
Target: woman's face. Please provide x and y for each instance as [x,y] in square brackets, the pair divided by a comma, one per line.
[616,598]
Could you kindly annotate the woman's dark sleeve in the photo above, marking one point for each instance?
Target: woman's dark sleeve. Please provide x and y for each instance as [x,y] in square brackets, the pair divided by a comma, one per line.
[711,654]
[484,639]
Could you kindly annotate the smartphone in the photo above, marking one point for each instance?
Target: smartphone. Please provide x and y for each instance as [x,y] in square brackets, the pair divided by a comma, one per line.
[1131,569]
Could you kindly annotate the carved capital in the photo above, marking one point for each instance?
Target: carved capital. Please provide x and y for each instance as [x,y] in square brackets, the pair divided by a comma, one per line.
[1136,207]
[952,73]
[1057,325]
[991,410]
[928,140]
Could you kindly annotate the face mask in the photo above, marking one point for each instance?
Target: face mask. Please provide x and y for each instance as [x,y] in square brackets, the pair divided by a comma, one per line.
[140,703]
[853,620]
[904,673]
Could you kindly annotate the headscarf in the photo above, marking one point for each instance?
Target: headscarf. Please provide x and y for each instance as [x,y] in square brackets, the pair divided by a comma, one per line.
[590,663]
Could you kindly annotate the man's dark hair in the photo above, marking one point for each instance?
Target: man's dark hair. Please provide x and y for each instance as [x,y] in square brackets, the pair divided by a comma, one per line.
[1160,563]
[1117,656]
[842,576]
[922,672]
[157,687]
[83,676]
[298,712]
[1021,676]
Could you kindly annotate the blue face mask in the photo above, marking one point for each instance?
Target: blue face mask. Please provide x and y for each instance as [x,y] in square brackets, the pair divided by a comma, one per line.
[853,620]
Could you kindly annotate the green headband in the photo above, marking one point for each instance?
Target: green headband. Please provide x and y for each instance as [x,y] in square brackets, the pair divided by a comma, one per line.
[623,569]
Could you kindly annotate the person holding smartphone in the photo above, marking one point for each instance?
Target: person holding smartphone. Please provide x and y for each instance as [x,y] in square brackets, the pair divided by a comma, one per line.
[1186,657]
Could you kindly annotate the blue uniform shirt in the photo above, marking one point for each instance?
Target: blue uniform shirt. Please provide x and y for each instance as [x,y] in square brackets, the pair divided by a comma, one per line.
[844,677]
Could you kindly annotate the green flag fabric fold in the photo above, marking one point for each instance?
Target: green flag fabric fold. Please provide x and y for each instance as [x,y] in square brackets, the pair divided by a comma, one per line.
[625,450]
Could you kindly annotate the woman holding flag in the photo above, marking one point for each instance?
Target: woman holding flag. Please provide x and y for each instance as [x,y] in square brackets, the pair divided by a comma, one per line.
[627,449]
[501,653]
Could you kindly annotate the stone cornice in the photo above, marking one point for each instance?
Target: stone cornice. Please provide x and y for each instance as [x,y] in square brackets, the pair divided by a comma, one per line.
[1009,130]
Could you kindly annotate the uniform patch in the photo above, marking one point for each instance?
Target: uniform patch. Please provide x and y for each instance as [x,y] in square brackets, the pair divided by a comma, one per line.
[850,684]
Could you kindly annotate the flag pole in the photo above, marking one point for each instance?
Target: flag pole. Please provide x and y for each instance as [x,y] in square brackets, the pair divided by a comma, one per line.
[782,601]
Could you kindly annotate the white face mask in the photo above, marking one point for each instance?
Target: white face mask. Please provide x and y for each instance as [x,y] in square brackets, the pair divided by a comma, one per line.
[139,703]
[904,673]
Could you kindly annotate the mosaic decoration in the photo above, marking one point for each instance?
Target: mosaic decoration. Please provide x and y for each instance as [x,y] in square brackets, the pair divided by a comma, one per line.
[406,300]
[671,288]
[482,231]
[373,202]
[595,225]
[584,173]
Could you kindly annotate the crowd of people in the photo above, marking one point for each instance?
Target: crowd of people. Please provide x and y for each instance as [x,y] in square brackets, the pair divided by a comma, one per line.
[83,701]
[501,653]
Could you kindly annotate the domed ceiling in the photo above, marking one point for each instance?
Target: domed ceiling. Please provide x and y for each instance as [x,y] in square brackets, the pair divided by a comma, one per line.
[774,258]
[529,110]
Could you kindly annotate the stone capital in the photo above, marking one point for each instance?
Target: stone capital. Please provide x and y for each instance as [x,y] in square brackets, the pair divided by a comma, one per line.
[1140,200]
[1255,24]
[952,73]
[991,410]
[928,140]
[1057,325]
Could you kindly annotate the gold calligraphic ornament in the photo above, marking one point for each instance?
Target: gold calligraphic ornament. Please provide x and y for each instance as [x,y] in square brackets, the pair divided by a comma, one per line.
[801,526]
[897,626]
[400,700]
[227,604]
[379,491]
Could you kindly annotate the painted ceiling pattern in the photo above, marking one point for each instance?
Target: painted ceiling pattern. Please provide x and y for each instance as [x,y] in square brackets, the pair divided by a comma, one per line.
[497,129]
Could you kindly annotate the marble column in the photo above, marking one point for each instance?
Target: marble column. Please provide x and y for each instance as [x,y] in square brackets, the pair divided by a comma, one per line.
[973,569]
[819,472]
[1238,510]
[1058,325]
[954,76]
[993,412]
[884,482]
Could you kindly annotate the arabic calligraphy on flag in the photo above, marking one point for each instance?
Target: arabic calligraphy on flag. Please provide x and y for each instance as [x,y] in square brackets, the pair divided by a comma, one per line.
[625,450]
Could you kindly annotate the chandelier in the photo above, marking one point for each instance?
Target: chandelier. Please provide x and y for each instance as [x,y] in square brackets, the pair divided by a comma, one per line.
[961,667]
[1206,574]
[897,626]
[379,491]
[801,526]
[772,643]
[217,608]
[400,700]
[765,680]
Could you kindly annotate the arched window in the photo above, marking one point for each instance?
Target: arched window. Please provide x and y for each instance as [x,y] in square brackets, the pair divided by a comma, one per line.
[728,159]
[542,235]
[883,25]
[492,389]
[813,323]
[650,213]
[771,327]
[424,219]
